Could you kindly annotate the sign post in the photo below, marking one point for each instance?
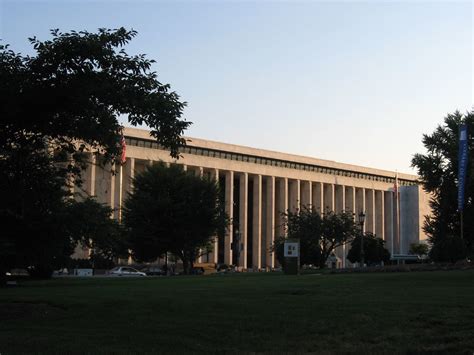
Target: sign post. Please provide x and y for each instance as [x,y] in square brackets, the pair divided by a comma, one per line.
[292,257]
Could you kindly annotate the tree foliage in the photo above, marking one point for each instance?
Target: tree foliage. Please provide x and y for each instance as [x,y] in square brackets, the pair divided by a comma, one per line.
[419,249]
[374,250]
[319,234]
[171,210]
[76,87]
[438,171]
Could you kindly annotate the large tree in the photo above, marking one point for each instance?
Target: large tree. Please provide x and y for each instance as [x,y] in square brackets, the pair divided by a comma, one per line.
[62,101]
[171,210]
[319,234]
[438,171]
[77,86]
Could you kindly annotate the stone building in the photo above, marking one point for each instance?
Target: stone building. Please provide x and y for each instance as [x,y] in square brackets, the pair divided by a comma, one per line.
[259,185]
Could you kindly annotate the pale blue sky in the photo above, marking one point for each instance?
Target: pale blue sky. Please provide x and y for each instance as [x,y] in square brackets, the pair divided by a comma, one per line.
[355,82]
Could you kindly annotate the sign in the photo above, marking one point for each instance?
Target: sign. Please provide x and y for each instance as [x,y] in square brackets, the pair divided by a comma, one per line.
[462,160]
[291,250]
[291,253]
[83,272]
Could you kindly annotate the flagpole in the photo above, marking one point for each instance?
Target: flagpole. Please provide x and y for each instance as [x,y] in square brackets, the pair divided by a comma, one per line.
[120,192]
[392,236]
[399,224]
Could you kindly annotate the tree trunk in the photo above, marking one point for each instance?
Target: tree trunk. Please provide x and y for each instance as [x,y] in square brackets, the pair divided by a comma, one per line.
[185,266]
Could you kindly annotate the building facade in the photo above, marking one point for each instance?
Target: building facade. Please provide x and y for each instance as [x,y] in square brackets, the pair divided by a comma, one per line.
[260,185]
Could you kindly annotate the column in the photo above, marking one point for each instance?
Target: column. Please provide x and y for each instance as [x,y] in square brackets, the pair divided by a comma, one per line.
[389,221]
[282,205]
[91,175]
[306,194]
[111,188]
[201,258]
[339,192]
[328,197]
[243,219]
[128,176]
[350,206]
[294,203]
[360,203]
[339,196]
[117,205]
[369,210]
[379,214]
[257,223]
[350,199]
[270,222]
[215,252]
[229,209]
[318,200]
[102,182]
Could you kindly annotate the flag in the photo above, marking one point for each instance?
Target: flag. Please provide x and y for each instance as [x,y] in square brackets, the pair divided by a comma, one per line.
[123,157]
[462,165]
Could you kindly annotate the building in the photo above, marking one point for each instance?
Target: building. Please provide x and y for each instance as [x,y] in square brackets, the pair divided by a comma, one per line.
[259,185]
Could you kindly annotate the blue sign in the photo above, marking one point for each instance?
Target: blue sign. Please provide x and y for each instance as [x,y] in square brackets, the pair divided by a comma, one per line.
[462,165]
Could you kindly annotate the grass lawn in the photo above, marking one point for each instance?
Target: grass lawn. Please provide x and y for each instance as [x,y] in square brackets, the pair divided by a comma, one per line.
[352,313]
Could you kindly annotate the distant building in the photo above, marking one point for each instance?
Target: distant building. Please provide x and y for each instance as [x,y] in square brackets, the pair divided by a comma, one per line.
[259,185]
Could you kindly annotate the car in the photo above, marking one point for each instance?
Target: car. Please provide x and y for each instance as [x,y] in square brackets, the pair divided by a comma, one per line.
[153,271]
[125,271]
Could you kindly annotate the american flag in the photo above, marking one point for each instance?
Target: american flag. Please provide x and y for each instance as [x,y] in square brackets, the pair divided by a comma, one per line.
[123,157]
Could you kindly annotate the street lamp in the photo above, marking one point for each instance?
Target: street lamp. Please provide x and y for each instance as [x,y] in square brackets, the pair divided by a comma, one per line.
[237,244]
[361,222]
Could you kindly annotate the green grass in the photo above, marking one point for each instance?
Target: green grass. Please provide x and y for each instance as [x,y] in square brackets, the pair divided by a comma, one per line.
[353,313]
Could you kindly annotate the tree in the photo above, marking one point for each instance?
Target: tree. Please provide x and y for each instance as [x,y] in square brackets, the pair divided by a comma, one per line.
[319,234]
[171,210]
[32,210]
[77,86]
[374,249]
[438,171]
[419,249]
[56,105]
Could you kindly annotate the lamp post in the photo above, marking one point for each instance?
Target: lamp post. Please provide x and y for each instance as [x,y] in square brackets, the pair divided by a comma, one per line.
[237,244]
[361,222]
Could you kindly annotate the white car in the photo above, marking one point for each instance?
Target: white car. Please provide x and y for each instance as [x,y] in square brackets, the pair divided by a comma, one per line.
[125,271]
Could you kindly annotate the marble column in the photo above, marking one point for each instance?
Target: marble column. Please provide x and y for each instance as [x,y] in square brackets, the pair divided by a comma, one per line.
[318,198]
[379,214]
[243,219]
[282,207]
[270,222]
[215,252]
[369,211]
[257,223]
[229,209]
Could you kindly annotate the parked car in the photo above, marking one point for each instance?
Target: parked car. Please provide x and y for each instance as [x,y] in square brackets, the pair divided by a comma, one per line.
[153,271]
[125,271]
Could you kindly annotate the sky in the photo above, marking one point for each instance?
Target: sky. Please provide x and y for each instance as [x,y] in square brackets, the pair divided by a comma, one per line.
[353,82]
